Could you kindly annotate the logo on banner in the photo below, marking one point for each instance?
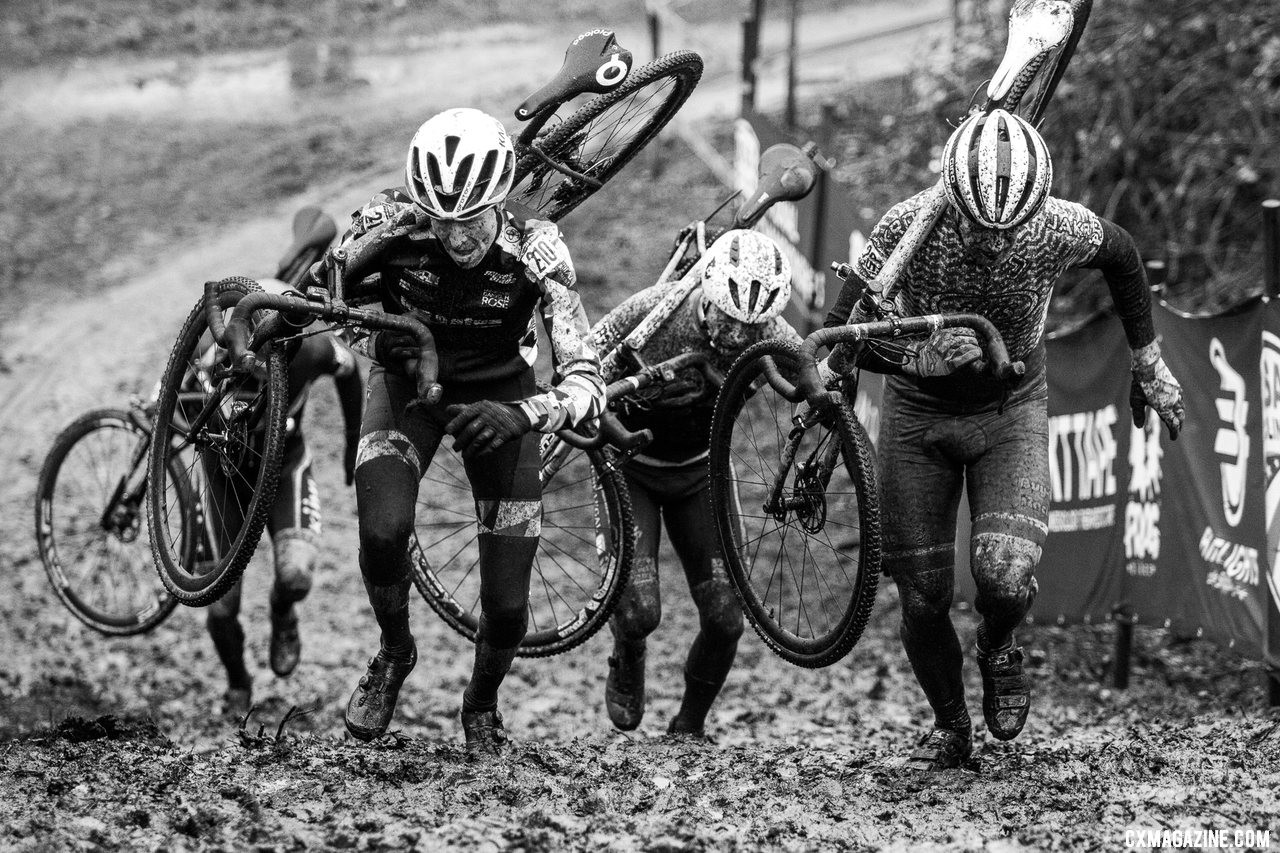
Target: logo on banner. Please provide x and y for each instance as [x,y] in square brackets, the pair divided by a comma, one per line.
[1232,442]
[1082,457]
[1234,567]
[1142,513]
[1271,451]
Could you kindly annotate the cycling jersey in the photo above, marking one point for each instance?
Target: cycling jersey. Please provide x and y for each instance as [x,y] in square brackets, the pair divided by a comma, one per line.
[681,417]
[1013,293]
[482,317]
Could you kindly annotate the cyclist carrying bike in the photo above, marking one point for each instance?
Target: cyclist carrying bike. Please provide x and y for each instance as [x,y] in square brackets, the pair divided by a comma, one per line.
[745,283]
[293,523]
[996,251]
[473,270]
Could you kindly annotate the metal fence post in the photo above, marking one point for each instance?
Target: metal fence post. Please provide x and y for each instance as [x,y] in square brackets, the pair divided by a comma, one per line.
[1124,619]
[750,54]
[1271,246]
[792,50]
[655,28]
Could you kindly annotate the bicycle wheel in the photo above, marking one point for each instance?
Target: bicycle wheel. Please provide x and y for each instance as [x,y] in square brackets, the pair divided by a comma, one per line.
[602,135]
[579,572]
[225,433]
[89,523]
[796,511]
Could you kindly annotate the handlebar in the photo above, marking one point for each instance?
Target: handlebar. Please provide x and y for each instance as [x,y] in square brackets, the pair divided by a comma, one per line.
[241,342]
[611,431]
[1003,369]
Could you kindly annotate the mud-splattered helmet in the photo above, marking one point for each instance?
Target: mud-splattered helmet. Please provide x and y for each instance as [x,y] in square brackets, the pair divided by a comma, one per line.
[460,162]
[746,276]
[996,170]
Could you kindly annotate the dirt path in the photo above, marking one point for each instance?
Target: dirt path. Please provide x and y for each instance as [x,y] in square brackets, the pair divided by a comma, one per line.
[801,759]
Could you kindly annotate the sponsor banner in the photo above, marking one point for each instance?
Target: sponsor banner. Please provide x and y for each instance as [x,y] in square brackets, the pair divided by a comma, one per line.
[1269,368]
[1187,533]
[1213,534]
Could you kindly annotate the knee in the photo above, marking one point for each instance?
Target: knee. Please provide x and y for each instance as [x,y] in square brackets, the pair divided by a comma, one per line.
[1003,570]
[296,552]
[640,607]
[925,596]
[719,613]
[503,627]
[384,546]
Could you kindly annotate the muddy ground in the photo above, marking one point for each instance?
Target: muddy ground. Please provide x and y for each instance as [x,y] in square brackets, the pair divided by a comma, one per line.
[120,744]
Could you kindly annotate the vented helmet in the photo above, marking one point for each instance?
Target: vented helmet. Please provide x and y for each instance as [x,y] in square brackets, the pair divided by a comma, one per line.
[460,162]
[746,276]
[996,170]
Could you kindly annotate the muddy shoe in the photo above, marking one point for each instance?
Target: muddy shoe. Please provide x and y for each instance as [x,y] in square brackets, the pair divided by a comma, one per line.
[1006,691]
[286,644]
[237,701]
[374,701]
[940,749]
[681,726]
[624,688]
[486,738]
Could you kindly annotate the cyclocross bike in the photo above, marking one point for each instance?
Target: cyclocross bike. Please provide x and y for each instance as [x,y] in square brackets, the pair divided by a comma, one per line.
[91,530]
[236,421]
[793,487]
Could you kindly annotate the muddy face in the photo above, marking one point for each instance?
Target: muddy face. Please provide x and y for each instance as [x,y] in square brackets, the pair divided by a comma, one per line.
[985,246]
[728,336]
[467,240]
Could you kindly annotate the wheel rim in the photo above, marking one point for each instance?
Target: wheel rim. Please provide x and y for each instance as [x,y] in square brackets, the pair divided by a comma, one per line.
[93,525]
[569,578]
[595,148]
[800,546]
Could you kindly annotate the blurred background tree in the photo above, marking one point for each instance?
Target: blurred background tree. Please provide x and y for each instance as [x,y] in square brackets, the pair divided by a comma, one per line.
[1167,122]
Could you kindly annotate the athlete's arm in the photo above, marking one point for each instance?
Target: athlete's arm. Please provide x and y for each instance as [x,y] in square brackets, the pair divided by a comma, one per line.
[1118,260]
[579,395]
[1153,383]
[884,237]
[622,320]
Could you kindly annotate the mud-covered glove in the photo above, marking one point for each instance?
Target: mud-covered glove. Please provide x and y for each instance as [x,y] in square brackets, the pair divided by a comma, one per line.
[484,426]
[945,352]
[1154,385]
[395,351]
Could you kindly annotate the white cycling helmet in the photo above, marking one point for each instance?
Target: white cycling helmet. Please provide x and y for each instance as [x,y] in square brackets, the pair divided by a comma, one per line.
[996,170]
[460,162]
[746,276]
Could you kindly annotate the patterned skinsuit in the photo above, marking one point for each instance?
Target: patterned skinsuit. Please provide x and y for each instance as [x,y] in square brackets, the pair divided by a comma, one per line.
[941,434]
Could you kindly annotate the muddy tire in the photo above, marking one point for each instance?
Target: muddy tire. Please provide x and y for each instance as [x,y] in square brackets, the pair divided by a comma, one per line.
[802,548]
[232,459]
[90,522]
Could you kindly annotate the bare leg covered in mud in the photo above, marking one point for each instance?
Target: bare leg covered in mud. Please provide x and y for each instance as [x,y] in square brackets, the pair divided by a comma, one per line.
[678,495]
[925,461]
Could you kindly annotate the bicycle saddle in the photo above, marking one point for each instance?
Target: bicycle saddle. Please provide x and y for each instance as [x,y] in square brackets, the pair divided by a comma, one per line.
[313,231]
[786,174]
[594,62]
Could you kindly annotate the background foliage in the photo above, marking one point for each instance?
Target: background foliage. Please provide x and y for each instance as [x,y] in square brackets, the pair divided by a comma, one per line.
[1166,122]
